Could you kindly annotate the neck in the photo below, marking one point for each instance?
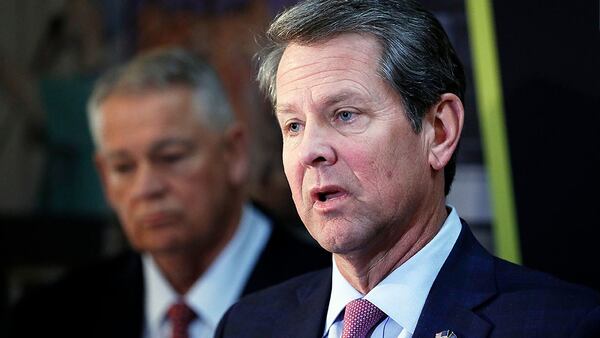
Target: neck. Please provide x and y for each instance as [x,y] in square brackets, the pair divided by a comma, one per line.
[181,270]
[365,269]
[183,267]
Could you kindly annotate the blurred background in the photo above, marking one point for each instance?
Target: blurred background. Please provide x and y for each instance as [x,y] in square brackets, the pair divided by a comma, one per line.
[52,213]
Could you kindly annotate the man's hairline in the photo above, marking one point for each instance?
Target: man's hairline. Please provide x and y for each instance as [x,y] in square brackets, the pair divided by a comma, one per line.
[96,112]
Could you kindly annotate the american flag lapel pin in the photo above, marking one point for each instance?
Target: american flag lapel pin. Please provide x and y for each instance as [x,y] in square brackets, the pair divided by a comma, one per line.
[445,334]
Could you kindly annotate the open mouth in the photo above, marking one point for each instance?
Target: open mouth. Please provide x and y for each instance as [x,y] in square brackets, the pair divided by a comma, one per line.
[326,195]
[322,196]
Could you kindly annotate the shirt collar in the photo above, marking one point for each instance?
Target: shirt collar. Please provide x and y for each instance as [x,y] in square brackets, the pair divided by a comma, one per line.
[221,284]
[402,294]
[159,294]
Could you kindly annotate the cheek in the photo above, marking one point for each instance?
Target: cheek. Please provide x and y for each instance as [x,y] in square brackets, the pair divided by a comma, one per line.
[198,189]
[119,200]
[134,233]
[208,185]
[378,167]
[293,172]
[365,163]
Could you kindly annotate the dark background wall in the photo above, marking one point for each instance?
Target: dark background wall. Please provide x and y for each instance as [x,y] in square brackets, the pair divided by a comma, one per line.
[549,55]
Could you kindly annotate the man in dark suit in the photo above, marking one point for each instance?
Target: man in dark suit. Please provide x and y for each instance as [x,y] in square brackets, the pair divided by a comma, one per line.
[173,162]
[368,95]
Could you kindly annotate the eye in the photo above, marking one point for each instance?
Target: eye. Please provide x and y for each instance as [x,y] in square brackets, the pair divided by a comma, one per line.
[171,157]
[173,154]
[122,168]
[345,115]
[293,127]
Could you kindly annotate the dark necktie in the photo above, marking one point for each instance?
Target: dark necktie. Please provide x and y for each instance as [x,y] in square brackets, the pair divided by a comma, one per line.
[360,317]
[180,316]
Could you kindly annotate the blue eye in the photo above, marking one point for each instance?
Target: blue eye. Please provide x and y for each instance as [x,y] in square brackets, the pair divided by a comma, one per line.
[346,115]
[294,127]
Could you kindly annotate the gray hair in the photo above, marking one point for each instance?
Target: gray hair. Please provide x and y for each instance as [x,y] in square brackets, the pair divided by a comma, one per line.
[417,59]
[163,69]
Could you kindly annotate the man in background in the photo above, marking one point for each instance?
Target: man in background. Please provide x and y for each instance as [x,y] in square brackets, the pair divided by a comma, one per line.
[173,162]
[368,95]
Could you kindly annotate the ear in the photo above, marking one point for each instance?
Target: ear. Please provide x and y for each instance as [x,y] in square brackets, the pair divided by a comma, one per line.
[446,118]
[236,152]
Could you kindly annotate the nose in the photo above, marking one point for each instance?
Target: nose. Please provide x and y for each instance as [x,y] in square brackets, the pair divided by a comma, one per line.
[317,148]
[149,183]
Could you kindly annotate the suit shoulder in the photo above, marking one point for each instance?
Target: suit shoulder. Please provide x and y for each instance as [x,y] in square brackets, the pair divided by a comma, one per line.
[532,301]
[103,299]
[105,273]
[285,256]
[283,293]
[516,278]
[538,300]
[83,287]
[259,314]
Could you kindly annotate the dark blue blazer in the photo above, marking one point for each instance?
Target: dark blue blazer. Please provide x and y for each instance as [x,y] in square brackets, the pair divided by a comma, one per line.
[474,295]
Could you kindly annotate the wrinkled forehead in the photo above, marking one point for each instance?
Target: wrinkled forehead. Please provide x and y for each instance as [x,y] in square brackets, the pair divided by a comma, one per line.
[346,64]
[126,115]
[141,100]
[353,45]
[348,52]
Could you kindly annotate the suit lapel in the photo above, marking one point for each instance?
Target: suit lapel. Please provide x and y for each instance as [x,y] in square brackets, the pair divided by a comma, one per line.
[465,281]
[307,319]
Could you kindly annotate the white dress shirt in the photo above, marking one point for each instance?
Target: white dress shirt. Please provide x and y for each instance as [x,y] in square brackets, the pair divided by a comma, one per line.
[216,290]
[402,294]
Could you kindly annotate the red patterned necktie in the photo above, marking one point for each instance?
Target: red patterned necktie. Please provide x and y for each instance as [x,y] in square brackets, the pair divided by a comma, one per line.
[360,317]
[180,316]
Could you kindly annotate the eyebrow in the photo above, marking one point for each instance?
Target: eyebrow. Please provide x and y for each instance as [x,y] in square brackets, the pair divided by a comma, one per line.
[327,101]
[343,96]
[284,109]
[172,141]
[156,147]
[117,155]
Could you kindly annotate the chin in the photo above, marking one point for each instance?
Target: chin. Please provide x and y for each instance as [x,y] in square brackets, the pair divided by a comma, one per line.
[163,246]
[347,238]
[164,251]
[337,242]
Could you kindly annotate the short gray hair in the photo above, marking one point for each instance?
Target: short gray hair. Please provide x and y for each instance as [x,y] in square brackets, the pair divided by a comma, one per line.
[163,69]
[417,58]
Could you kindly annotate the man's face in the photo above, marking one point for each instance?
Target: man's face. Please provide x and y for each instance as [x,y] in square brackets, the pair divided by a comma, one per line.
[358,172]
[166,174]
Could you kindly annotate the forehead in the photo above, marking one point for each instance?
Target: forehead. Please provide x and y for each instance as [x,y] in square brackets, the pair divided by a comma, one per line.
[138,118]
[348,61]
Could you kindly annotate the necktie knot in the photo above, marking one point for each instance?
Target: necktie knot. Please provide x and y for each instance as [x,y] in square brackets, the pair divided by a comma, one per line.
[180,316]
[360,317]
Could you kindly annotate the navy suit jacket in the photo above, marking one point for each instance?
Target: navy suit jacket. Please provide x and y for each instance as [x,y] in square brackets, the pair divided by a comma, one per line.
[474,295]
[107,299]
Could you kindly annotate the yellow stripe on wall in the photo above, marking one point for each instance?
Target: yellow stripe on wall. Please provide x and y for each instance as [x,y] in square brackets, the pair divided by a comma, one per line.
[488,90]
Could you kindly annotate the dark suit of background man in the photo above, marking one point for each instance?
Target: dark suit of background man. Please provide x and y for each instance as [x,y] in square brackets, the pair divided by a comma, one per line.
[368,95]
[173,162]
